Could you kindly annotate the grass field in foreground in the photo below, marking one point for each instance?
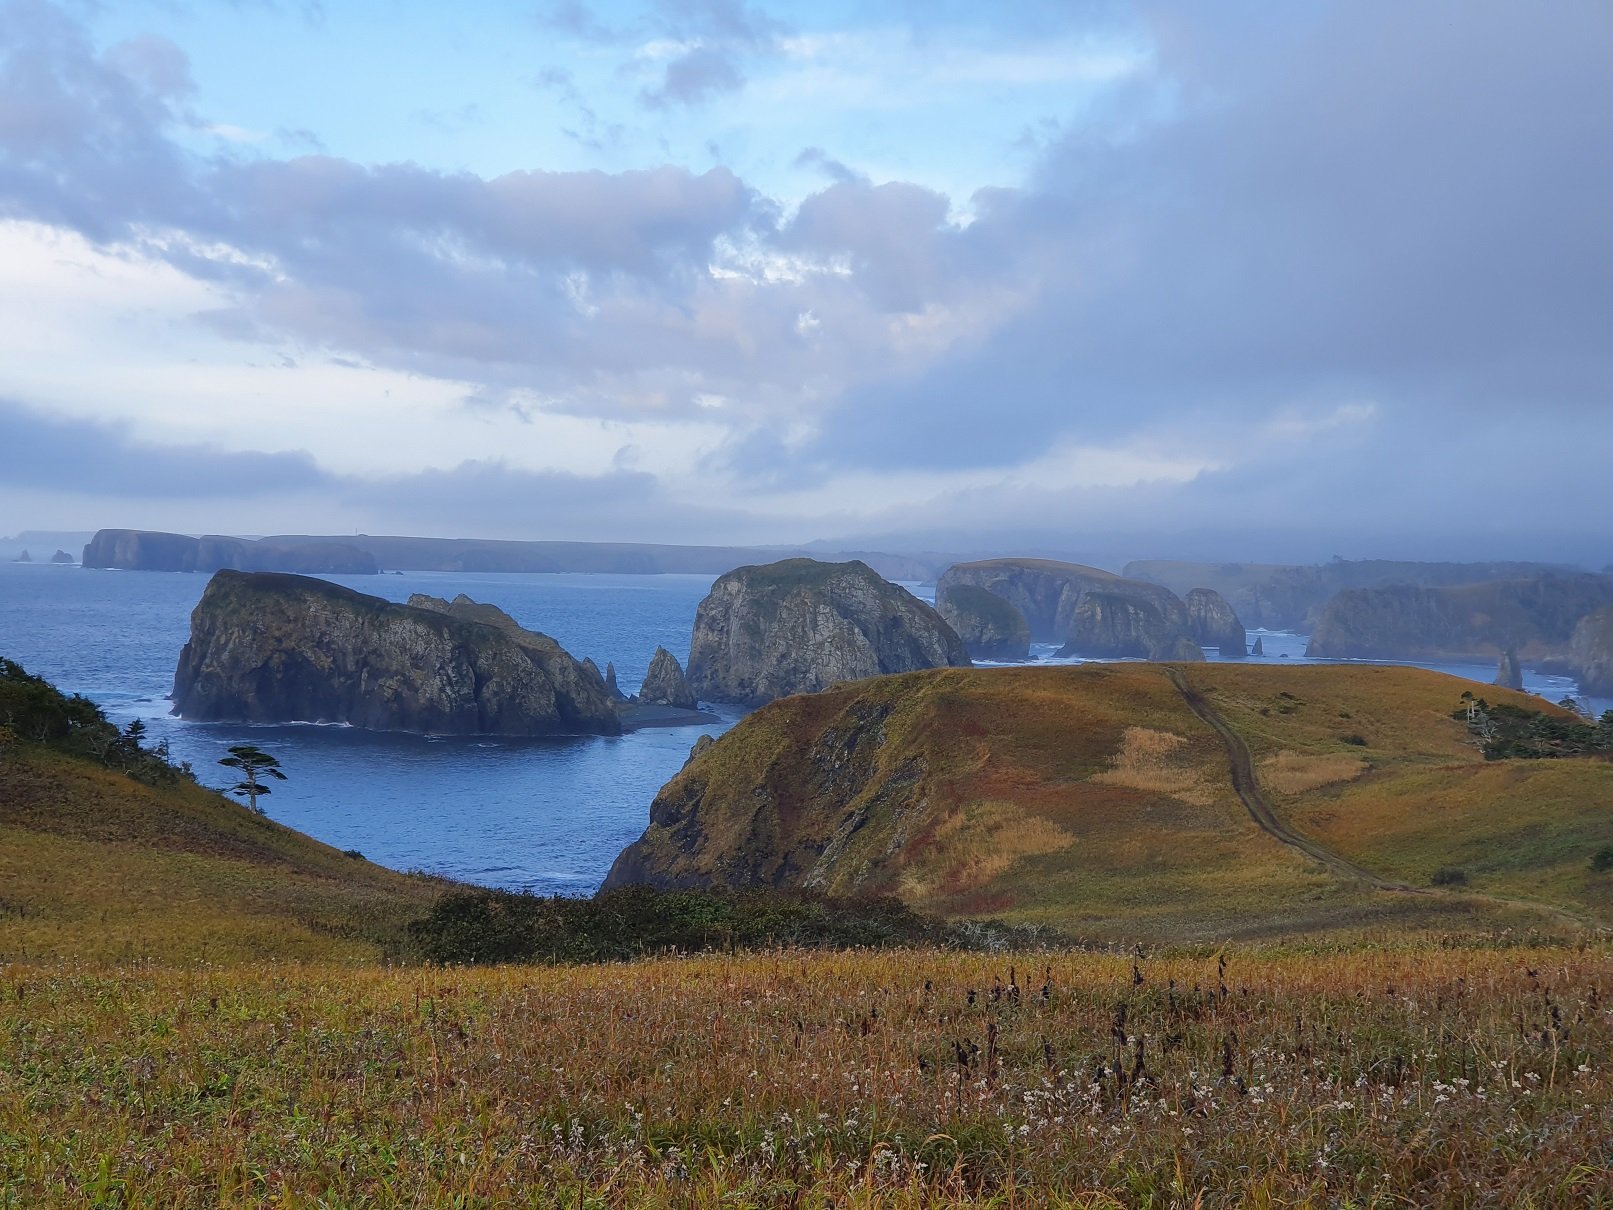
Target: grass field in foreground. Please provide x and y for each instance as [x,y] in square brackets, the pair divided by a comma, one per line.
[1423,1076]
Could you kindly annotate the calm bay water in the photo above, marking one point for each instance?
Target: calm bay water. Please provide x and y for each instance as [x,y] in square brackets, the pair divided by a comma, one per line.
[545,815]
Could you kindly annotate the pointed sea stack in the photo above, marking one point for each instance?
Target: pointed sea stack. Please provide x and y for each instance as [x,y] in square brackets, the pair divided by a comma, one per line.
[1507,673]
[664,683]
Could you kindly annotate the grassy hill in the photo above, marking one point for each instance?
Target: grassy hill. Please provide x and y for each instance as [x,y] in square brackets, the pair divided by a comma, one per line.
[1094,799]
[96,865]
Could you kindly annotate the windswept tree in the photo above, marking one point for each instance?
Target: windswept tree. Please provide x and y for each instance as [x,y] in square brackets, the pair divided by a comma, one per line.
[254,764]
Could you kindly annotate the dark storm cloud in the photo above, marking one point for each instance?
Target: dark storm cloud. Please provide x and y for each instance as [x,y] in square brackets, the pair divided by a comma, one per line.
[1396,201]
[99,459]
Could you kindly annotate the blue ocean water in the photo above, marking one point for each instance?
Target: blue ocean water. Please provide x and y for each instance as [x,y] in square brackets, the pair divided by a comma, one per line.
[548,815]
[544,815]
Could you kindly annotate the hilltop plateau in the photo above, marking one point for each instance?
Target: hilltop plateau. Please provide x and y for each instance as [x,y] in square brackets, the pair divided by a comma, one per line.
[1124,801]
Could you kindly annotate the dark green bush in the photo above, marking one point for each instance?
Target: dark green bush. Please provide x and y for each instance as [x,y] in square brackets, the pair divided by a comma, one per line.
[483,926]
[1449,875]
[1602,859]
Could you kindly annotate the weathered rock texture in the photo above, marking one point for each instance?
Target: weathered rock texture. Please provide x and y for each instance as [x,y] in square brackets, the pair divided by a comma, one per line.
[269,647]
[146,550]
[1212,623]
[664,683]
[1508,673]
[798,626]
[990,627]
[1536,617]
[1590,654]
[1112,626]
[1050,594]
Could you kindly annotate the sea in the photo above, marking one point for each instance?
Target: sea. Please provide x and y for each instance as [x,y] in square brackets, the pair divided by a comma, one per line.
[544,815]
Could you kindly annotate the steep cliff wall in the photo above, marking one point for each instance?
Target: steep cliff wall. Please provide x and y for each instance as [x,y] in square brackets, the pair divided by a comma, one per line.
[269,647]
[798,626]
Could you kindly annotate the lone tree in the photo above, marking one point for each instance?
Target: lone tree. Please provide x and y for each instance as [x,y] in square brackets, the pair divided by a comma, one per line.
[253,763]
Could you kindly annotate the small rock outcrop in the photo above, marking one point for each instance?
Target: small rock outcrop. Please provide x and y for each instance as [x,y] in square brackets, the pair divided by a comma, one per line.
[1590,654]
[62,557]
[1212,623]
[271,647]
[1260,645]
[25,557]
[1507,672]
[148,550]
[798,626]
[990,627]
[664,683]
[611,687]
[1110,626]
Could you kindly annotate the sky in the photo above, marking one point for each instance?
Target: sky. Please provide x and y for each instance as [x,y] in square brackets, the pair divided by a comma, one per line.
[1236,281]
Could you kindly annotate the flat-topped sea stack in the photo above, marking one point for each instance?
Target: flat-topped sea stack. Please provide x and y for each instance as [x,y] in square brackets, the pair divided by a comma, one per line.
[990,627]
[1590,654]
[1535,617]
[798,626]
[271,647]
[149,550]
[1213,623]
[1112,625]
[1135,618]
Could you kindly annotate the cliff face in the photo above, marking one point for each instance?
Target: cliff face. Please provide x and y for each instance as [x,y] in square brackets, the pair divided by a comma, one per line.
[269,647]
[146,550]
[1285,597]
[1535,616]
[1111,626]
[1049,593]
[1212,623]
[798,626]
[990,627]
[665,685]
[1590,654]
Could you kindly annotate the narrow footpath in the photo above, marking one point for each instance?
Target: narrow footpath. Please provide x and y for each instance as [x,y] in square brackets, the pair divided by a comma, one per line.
[1242,766]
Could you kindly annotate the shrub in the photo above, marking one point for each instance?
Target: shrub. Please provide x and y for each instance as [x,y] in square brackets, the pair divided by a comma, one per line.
[1449,875]
[1602,859]
[485,926]
[1355,739]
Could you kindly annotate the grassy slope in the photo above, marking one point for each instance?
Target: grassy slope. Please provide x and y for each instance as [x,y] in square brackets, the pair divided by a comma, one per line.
[1091,799]
[97,866]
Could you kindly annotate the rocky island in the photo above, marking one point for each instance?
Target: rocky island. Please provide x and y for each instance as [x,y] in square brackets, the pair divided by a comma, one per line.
[1213,623]
[149,550]
[1134,618]
[798,626]
[271,647]
[1536,617]
[990,627]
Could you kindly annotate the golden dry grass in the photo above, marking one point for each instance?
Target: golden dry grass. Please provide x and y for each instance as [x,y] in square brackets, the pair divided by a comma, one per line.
[1422,1076]
[1289,772]
[1154,761]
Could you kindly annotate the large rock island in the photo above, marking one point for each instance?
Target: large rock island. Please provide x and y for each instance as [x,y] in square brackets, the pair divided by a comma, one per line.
[1536,617]
[798,626]
[990,627]
[271,647]
[1124,618]
[149,550]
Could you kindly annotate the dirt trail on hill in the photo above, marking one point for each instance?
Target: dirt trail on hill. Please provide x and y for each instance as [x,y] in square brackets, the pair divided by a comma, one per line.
[1242,766]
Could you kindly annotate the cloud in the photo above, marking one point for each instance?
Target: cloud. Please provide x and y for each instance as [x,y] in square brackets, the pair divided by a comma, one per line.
[96,459]
[1327,253]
